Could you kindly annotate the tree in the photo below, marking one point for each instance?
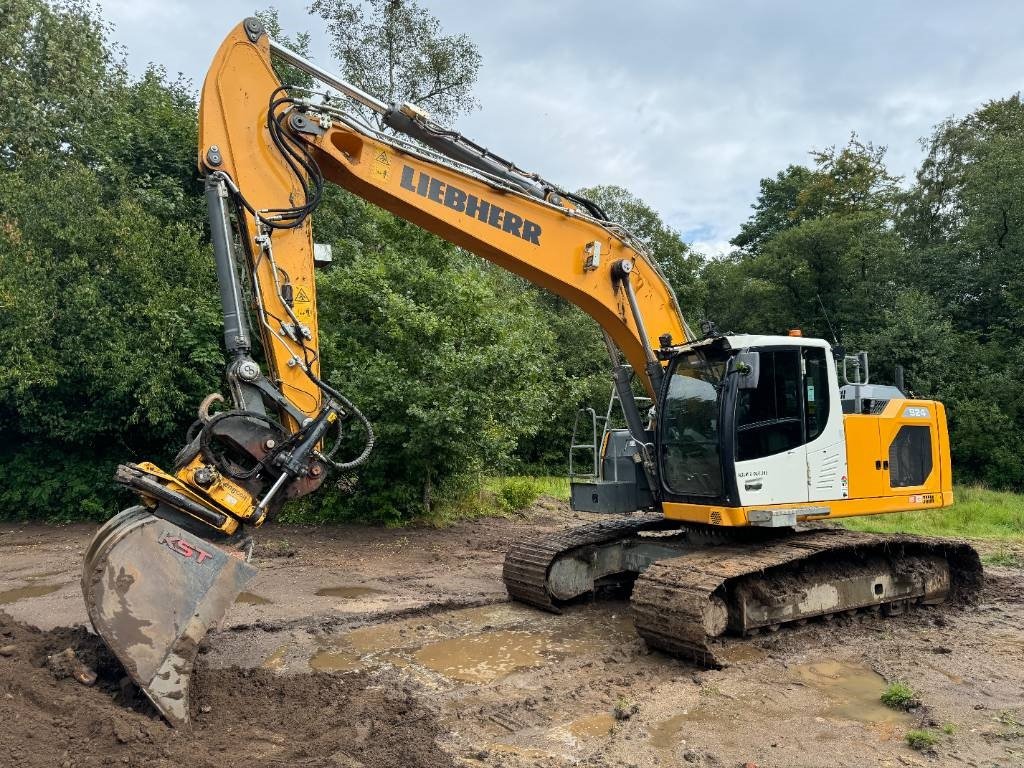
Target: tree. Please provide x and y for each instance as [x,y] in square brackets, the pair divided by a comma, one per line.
[446,355]
[775,208]
[104,348]
[286,73]
[395,50]
[819,251]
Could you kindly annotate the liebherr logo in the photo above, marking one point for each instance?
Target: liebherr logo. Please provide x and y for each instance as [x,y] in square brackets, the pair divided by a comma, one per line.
[459,200]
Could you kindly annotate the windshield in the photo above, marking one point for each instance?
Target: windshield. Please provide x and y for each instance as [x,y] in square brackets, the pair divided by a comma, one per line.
[690,460]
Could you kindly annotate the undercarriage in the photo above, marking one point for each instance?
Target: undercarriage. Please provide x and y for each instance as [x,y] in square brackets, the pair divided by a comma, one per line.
[695,589]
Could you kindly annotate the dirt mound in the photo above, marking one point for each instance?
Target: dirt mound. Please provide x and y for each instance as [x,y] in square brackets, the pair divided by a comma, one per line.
[241,717]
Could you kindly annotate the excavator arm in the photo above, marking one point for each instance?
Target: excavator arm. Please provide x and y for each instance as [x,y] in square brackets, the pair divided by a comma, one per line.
[158,576]
[515,220]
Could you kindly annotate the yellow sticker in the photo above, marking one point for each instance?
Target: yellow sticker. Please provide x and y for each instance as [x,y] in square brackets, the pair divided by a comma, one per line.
[381,166]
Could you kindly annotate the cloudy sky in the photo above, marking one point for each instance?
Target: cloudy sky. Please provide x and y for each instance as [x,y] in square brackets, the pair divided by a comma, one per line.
[687,104]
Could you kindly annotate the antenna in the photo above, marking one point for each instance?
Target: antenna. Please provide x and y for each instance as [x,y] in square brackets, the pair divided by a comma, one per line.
[835,337]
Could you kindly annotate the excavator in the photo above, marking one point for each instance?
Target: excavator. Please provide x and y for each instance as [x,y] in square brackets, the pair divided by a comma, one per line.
[725,455]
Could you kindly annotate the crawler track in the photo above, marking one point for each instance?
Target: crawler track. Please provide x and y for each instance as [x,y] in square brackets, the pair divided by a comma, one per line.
[677,603]
[732,585]
[527,563]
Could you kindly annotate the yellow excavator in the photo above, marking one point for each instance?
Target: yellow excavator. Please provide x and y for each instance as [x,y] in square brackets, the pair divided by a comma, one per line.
[713,484]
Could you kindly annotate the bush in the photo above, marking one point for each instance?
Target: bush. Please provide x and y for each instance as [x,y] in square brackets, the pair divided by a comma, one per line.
[921,740]
[900,696]
[517,493]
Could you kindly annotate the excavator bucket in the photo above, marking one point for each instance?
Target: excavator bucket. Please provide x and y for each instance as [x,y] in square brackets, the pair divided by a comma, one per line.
[153,591]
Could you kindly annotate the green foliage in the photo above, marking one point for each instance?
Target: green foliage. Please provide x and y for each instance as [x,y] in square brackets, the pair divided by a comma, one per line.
[925,278]
[1003,557]
[900,696]
[921,740]
[107,289]
[979,513]
[397,51]
[518,493]
[445,354]
[111,325]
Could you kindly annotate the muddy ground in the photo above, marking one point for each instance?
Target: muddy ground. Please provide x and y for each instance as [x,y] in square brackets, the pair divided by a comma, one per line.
[370,647]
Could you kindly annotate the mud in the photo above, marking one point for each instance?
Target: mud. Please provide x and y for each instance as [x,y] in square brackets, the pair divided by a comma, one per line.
[434,667]
[242,717]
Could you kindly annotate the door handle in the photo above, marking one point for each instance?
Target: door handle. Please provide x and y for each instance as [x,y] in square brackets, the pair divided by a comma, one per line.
[878,464]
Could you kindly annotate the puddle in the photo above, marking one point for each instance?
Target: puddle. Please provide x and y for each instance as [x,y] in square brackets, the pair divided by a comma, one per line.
[592,727]
[665,735]
[488,656]
[23,593]
[331,660]
[476,645]
[275,661]
[249,598]
[853,690]
[348,593]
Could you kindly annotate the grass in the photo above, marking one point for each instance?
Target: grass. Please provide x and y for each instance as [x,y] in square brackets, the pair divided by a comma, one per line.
[921,739]
[556,487]
[978,513]
[1004,557]
[496,497]
[949,729]
[900,696]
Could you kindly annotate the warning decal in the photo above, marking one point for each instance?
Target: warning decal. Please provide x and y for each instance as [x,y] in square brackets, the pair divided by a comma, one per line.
[381,166]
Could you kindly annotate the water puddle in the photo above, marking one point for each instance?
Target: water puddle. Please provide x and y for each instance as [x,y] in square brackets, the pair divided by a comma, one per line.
[485,657]
[23,593]
[592,727]
[475,645]
[275,661]
[853,691]
[332,660]
[249,598]
[348,593]
[665,735]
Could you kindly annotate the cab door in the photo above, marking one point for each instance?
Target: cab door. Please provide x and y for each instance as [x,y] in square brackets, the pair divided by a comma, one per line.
[770,447]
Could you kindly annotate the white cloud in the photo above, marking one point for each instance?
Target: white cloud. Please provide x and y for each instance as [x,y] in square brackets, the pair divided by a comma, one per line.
[687,104]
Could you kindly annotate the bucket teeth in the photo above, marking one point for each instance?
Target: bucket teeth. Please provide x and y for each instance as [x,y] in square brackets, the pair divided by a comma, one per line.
[153,591]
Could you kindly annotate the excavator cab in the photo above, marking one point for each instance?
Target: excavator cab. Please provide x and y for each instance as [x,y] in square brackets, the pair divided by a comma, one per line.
[756,431]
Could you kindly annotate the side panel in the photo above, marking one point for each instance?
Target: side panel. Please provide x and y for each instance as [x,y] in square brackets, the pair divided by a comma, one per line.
[864,456]
[777,479]
[910,441]
[719,515]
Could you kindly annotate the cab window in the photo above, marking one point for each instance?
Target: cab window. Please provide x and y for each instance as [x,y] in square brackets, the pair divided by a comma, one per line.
[690,460]
[816,391]
[770,419]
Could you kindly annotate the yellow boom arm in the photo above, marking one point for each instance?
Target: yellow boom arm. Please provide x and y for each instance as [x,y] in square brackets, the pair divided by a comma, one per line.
[548,242]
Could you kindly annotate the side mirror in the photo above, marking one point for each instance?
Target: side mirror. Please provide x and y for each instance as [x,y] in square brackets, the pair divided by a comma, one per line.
[747,365]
